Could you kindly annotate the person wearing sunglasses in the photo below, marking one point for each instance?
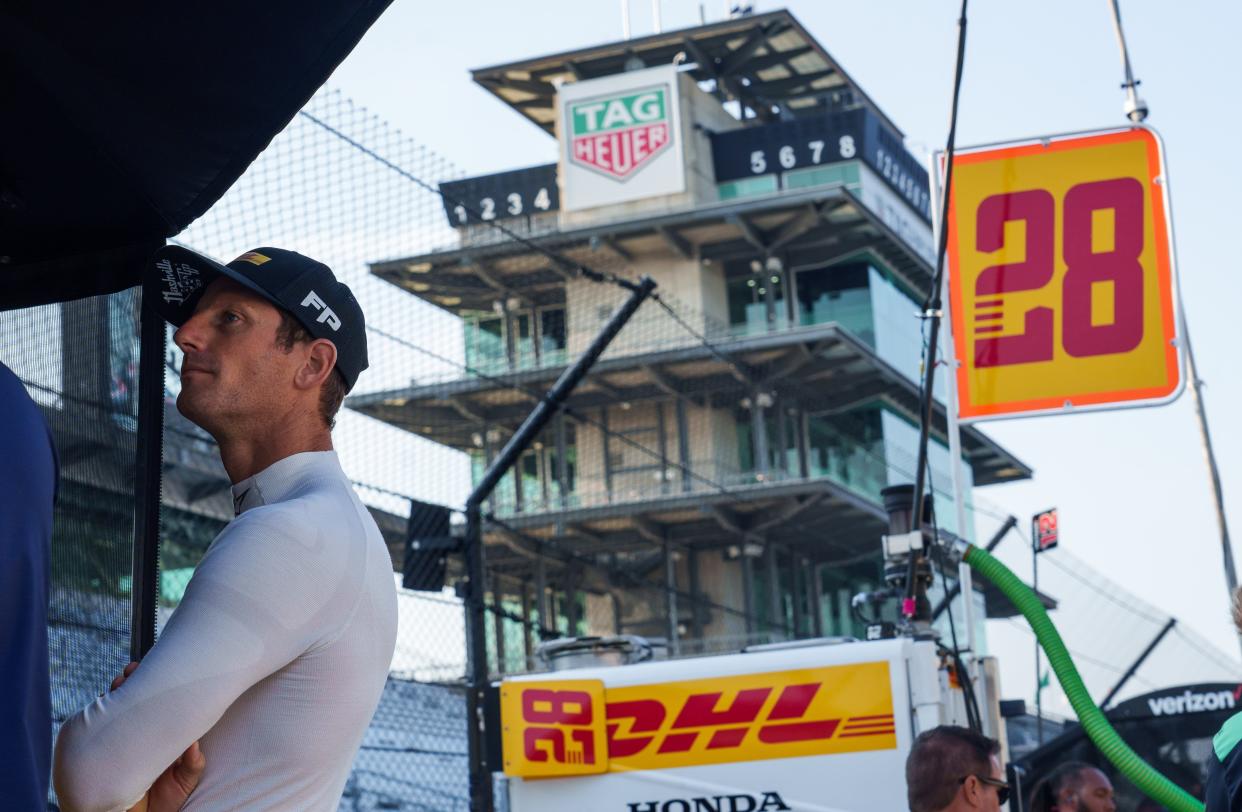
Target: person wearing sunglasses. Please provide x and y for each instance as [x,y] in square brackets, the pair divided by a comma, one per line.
[954,769]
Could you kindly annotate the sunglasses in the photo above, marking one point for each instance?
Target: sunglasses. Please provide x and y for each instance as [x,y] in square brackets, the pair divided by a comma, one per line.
[1002,788]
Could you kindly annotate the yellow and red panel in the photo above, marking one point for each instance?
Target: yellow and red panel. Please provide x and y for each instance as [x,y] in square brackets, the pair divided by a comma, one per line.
[1060,275]
[553,728]
[801,712]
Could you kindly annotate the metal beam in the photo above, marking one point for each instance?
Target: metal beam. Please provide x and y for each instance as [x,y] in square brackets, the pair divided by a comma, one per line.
[790,510]
[666,383]
[738,56]
[749,232]
[616,248]
[798,357]
[537,88]
[776,58]
[651,531]
[706,63]
[781,86]
[581,532]
[677,242]
[463,409]
[488,274]
[1168,627]
[608,389]
[796,227]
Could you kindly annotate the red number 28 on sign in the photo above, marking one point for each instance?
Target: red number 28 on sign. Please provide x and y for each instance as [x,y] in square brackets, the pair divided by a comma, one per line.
[1084,268]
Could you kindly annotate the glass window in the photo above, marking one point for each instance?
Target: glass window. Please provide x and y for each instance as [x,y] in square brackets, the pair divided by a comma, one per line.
[485,342]
[524,351]
[503,496]
[747,308]
[552,336]
[849,449]
[899,336]
[571,471]
[837,293]
[901,439]
[532,487]
[782,439]
[756,301]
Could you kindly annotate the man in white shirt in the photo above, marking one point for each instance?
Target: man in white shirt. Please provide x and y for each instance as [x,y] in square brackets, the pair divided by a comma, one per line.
[276,657]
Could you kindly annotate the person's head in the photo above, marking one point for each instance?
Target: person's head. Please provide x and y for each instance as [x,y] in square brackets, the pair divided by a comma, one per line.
[1074,787]
[270,339]
[953,768]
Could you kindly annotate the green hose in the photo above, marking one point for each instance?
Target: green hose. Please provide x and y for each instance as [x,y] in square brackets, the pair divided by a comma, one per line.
[1092,719]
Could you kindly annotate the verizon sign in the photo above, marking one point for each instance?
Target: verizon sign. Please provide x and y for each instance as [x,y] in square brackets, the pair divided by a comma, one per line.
[621,139]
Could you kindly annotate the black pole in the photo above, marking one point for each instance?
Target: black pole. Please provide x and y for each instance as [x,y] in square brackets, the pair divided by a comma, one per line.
[934,302]
[952,594]
[932,312]
[1134,667]
[1039,691]
[149,449]
[476,565]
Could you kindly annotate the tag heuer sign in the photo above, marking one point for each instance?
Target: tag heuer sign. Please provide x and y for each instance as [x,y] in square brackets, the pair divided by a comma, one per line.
[619,135]
[620,138]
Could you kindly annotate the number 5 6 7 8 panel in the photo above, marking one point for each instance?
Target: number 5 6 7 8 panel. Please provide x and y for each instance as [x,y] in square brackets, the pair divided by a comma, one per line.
[1061,277]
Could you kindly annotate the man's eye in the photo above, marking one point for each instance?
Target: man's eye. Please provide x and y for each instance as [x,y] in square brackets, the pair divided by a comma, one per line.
[231,317]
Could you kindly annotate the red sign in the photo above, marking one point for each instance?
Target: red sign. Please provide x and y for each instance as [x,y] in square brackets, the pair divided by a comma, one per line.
[1044,530]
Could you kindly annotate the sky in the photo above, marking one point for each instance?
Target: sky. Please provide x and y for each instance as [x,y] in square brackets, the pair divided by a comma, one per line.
[1131,486]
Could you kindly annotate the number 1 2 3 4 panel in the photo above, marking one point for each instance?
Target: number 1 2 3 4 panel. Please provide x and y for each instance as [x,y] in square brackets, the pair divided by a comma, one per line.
[1061,277]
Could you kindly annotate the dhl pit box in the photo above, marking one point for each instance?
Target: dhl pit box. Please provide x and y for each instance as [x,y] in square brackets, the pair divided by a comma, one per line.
[823,727]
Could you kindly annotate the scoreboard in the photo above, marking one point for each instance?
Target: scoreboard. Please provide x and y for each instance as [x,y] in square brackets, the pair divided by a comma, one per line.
[783,146]
[818,140]
[517,193]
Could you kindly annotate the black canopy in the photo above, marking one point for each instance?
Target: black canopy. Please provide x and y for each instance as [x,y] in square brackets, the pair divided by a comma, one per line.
[121,124]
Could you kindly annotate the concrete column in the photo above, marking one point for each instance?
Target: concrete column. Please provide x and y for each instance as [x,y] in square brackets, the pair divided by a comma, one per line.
[692,567]
[748,592]
[528,633]
[603,427]
[804,444]
[662,446]
[683,444]
[817,599]
[759,432]
[541,592]
[562,463]
[776,614]
[782,438]
[571,600]
[670,598]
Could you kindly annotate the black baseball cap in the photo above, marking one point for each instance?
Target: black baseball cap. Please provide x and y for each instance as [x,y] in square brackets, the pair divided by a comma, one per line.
[175,278]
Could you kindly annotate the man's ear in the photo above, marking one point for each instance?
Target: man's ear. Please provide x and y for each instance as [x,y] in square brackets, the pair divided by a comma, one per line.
[970,790]
[320,359]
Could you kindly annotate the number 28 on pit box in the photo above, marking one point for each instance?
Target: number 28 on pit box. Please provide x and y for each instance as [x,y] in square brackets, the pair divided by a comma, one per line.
[1061,277]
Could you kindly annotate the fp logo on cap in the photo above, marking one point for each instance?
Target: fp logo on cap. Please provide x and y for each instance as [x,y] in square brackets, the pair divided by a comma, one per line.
[312,300]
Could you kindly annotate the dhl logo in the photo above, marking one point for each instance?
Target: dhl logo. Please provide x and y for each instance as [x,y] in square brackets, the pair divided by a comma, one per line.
[580,728]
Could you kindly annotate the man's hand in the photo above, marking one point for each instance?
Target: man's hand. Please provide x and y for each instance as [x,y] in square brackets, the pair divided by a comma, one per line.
[173,787]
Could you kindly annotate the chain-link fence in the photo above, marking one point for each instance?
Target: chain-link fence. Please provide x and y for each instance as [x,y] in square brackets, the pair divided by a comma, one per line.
[714,482]
[79,363]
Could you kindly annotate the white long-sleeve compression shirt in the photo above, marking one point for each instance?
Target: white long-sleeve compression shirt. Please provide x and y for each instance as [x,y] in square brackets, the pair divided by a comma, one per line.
[275,659]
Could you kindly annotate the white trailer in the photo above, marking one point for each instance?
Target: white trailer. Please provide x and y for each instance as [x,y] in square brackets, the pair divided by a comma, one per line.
[816,725]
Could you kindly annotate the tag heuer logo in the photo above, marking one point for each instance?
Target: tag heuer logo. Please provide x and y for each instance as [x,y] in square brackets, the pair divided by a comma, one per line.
[619,135]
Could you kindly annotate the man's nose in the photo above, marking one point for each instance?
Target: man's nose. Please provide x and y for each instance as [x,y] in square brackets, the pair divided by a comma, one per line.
[189,336]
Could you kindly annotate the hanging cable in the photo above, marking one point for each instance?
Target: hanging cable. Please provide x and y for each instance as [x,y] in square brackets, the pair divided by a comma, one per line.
[932,308]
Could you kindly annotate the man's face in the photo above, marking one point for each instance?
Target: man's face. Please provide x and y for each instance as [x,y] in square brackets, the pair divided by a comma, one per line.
[1094,794]
[234,376]
[991,793]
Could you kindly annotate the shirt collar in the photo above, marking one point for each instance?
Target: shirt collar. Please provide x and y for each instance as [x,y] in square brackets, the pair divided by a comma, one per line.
[278,480]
